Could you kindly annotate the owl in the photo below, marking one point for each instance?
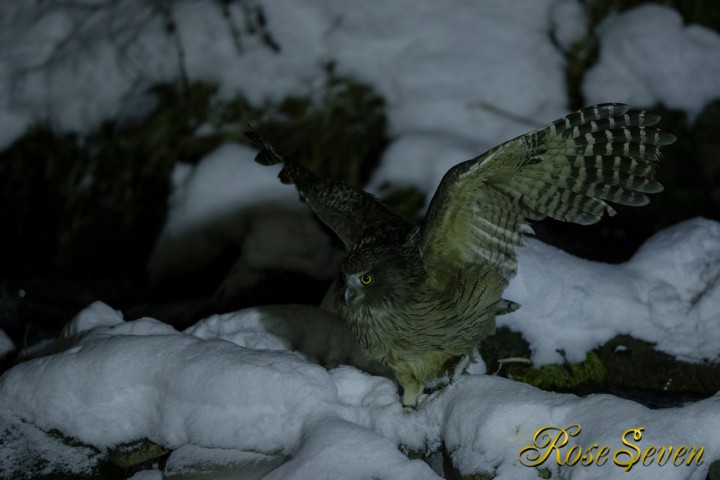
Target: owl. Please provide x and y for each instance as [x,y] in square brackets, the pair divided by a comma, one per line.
[419,298]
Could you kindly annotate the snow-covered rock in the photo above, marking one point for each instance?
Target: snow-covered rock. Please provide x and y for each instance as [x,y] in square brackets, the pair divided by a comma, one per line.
[649,56]
[214,401]
[6,345]
[667,294]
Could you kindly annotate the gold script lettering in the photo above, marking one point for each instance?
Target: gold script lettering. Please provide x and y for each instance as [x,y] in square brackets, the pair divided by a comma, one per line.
[632,459]
[544,443]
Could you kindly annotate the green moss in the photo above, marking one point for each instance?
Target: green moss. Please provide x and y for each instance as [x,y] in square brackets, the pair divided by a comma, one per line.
[478,476]
[339,136]
[564,377]
[35,465]
[544,473]
[135,453]
[69,441]
[624,366]
[405,201]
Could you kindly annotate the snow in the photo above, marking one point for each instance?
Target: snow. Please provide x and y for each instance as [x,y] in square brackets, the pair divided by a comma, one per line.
[569,23]
[316,333]
[6,345]
[118,49]
[96,315]
[667,294]
[22,443]
[418,160]
[649,56]
[147,475]
[224,407]
[229,199]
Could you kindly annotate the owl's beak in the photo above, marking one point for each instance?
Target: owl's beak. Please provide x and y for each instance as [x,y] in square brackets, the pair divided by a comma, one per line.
[347,294]
[352,292]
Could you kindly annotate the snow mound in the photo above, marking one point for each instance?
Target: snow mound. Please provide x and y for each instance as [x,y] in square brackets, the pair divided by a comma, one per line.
[318,334]
[203,389]
[6,345]
[667,294]
[229,200]
[648,56]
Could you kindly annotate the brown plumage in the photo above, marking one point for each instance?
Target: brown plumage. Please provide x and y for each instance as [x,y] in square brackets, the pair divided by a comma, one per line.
[418,298]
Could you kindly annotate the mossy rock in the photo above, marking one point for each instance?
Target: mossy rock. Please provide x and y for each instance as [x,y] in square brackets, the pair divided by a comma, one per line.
[340,137]
[624,366]
[478,476]
[714,472]
[25,450]
[544,473]
[635,366]
[135,453]
[191,462]
[566,377]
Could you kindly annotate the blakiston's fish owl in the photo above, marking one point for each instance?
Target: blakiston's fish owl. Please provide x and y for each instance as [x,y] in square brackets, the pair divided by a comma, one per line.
[419,298]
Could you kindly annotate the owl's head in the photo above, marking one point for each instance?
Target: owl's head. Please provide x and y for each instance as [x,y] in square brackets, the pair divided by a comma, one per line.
[372,276]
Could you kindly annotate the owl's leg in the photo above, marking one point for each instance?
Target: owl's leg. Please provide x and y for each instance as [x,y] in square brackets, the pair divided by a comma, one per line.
[412,388]
[504,306]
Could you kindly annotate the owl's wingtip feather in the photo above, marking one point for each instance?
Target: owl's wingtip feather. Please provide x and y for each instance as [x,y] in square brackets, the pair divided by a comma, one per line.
[267,155]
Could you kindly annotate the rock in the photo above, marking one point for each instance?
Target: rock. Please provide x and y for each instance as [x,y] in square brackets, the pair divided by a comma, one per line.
[192,462]
[135,453]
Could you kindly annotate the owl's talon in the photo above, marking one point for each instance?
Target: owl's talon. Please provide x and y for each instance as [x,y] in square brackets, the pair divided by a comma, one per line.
[459,368]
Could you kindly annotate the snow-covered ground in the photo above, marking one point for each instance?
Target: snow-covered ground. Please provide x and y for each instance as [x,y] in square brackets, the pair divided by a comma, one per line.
[244,390]
[241,392]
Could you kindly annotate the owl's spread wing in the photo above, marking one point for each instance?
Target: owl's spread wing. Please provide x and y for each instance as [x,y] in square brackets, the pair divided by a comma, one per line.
[355,216]
[566,170]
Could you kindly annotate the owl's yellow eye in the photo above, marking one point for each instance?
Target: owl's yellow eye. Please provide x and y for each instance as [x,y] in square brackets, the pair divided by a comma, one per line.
[366,279]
